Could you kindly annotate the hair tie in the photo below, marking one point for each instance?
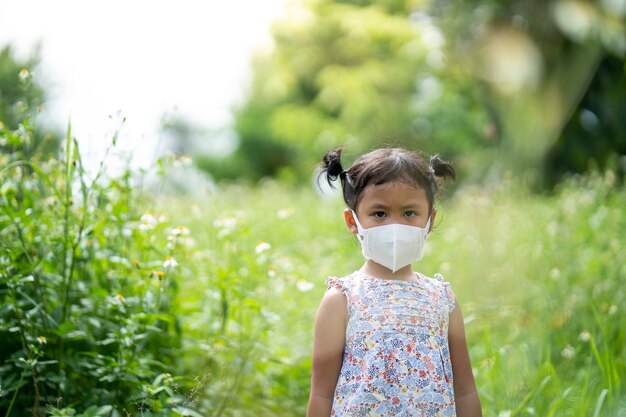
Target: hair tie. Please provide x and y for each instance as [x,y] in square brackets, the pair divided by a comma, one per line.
[346,177]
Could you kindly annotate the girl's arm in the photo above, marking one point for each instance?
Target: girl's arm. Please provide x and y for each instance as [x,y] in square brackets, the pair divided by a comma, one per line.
[465,395]
[328,345]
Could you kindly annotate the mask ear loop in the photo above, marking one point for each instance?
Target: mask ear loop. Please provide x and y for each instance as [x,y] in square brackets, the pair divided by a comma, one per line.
[358,225]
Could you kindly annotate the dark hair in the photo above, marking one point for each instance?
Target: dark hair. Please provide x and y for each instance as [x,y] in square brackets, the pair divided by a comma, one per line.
[385,165]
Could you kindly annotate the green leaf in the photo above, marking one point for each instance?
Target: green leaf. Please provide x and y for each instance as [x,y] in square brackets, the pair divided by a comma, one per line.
[96,411]
[186,412]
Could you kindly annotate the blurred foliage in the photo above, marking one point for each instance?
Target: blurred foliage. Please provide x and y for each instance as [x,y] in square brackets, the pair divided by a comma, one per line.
[353,73]
[534,62]
[490,85]
[21,99]
[596,133]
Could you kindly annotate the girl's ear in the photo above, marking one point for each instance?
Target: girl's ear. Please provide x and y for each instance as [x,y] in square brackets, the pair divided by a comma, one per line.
[433,214]
[349,218]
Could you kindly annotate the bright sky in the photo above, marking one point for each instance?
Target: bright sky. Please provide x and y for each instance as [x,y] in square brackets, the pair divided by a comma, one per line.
[143,58]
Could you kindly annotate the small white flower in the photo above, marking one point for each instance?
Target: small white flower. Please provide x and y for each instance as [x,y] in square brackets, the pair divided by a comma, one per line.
[284,213]
[24,74]
[185,160]
[148,221]
[170,262]
[42,340]
[180,231]
[584,336]
[284,264]
[304,286]
[555,274]
[271,273]
[225,223]
[173,240]
[568,352]
[118,260]
[262,247]
[270,317]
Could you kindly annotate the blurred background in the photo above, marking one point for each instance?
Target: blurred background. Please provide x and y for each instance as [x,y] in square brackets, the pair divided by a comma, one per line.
[148,62]
[163,247]
[255,89]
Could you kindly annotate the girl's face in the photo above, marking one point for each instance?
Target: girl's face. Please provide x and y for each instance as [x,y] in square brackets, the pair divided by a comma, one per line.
[393,202]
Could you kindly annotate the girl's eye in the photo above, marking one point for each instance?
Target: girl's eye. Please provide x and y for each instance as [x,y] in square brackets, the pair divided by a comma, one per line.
[410,213]
[379,214]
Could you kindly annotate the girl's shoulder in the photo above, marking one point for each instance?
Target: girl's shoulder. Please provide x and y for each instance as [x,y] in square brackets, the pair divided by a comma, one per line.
[442,288]
[439,277]
[436,281]
[341,283]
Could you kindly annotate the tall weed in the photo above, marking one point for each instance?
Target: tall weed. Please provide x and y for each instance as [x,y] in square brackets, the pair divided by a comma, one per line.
[88,291]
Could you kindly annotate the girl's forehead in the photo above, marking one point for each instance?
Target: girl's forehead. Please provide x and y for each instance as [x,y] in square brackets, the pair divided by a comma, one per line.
[393,191]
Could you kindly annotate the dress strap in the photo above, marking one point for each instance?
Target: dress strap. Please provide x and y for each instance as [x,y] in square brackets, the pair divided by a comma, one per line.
[336,283]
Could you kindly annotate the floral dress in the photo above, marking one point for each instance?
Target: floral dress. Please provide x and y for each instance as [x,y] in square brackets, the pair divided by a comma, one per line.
[396,360]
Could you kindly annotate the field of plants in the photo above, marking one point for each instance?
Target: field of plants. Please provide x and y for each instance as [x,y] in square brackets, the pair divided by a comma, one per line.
[121,300]
[158,292]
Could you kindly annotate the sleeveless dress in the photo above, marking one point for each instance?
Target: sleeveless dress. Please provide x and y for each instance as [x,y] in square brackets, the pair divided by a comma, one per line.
[396,360]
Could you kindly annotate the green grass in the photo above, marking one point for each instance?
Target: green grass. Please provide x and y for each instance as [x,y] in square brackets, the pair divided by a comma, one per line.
[540,280]
[228,331]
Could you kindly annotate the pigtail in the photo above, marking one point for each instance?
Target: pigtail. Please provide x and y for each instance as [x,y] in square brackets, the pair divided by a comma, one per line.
[381,166]
[442,168]
[331,166]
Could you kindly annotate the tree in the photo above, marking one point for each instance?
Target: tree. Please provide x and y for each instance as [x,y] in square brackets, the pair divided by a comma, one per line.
[534,61]
[596,133]
[358,73]
[489,84]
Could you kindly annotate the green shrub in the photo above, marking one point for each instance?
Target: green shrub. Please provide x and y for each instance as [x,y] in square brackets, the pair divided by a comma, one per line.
[88,291]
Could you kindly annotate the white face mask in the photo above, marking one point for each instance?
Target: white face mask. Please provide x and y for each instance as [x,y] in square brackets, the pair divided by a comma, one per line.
[393,246]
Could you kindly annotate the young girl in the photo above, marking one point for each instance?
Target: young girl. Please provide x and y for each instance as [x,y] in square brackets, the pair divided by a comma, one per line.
[390,341]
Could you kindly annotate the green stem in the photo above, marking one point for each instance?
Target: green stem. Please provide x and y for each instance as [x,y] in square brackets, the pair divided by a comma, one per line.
[66,220]
[66,231]
[8,413]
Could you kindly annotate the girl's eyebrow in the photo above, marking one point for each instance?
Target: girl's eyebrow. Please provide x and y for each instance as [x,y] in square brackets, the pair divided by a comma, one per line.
[378,205]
